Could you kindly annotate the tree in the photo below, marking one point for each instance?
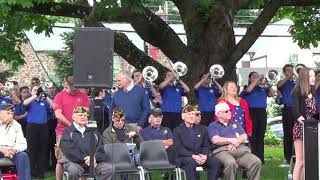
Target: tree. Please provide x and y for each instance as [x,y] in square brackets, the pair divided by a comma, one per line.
[208,25]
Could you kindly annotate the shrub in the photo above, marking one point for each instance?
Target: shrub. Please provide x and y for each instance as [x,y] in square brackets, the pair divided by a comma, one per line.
[271,138]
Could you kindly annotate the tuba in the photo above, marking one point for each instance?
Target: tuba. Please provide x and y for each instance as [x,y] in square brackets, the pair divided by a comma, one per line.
[180,69]
[149,74]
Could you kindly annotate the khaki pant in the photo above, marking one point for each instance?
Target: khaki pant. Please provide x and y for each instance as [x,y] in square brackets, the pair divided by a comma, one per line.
[57,150]
[242,157]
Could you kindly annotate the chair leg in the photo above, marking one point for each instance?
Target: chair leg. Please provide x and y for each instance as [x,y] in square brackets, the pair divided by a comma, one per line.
[65,176]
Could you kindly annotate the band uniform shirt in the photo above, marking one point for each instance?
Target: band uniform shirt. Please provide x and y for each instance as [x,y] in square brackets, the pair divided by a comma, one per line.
[207,97]
[37,112]
[171,98]
[286,91]
[257,98]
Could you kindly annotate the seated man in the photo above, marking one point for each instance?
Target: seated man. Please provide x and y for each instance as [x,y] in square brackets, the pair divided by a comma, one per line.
[120,132]
[12,142]
[228,139]
[75,145]
[192,146]
[155,132]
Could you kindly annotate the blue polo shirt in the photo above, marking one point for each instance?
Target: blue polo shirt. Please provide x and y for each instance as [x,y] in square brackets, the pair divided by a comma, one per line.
[171,98]
[6,100]
[207,97]
[286,90]
[257,98]
[216,128]
[153,133]
[37,112]
[19,109]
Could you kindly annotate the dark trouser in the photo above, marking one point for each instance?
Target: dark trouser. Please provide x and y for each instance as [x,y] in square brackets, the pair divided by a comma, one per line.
[189,165]
[23,124]
[37,140]
[206,118]
[51,160]
[287,123]
[21,161]
[171,119]
[259,123]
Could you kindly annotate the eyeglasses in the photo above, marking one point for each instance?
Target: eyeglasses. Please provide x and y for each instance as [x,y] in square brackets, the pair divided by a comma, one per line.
[227,111]
[197,114]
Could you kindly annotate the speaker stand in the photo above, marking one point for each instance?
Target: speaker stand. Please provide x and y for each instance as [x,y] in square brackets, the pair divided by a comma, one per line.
[92,126]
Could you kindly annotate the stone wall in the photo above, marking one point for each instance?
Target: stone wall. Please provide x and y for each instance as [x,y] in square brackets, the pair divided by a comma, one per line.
[32,66]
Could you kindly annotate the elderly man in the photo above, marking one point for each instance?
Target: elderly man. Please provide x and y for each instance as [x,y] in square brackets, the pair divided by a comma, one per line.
[12,142]
[119,131]
[228,138]
[75,147]
[132,99]
[155,131]
[192,146]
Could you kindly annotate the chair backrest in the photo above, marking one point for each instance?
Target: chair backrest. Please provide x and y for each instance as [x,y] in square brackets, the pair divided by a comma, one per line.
[118,155]
[153,153]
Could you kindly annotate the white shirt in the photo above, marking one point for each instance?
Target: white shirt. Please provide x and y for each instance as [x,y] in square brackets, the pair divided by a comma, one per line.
[11,136]
[130,87]
[79,128]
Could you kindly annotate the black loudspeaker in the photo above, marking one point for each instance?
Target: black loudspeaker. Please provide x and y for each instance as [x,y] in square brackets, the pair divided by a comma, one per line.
[93,57]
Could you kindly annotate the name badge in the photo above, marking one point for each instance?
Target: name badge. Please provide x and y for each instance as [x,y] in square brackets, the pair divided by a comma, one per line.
[237,134]
[199,135]
[211,90]
[41,104]
[177,89]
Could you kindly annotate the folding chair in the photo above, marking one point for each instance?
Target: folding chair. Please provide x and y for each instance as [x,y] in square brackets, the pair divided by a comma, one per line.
[118,156]
[5,163]
[153,157]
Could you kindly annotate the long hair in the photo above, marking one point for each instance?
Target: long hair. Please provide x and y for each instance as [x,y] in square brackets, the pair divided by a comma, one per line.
[303,82]
[250,74]
[225,93]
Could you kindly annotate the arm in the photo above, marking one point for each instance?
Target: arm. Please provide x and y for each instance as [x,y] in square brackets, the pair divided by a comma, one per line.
[205,149]
[248,120]
[204,77]
[61,118]
[166,81]
[29,100]
[185,86]
[14,97]
[145,103]
[21,143]
[218,85]
[297,115]
[253,84]
[19,117]
[283,81]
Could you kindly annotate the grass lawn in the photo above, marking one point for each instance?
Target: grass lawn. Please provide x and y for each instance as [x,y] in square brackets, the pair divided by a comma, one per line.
[271,170]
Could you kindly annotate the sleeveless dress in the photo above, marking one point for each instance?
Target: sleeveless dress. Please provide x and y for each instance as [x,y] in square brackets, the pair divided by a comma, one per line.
[311,110]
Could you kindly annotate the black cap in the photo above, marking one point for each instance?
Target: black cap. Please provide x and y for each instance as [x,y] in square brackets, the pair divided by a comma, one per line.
[6,107]
[156,112]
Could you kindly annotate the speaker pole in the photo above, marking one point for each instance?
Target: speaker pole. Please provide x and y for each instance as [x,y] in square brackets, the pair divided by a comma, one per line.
[92,126]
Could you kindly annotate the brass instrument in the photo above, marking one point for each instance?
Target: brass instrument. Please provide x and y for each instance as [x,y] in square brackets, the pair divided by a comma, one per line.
[180,69]
[216,71]
[270,78]
[149,74]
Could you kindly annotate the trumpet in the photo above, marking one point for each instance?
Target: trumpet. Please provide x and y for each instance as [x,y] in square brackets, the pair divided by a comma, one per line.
[271,77]
[149,74]
[114,89]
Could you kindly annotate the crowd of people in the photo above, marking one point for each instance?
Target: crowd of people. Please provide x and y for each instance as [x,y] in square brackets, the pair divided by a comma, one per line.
[224,131]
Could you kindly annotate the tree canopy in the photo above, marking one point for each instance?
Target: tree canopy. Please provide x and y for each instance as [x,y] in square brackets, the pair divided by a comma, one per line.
[209,27]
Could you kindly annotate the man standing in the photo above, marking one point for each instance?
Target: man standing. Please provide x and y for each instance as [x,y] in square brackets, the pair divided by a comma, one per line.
[228,139]
[132,99]
[64,103]
[12,142]
[192,146]
[286,86]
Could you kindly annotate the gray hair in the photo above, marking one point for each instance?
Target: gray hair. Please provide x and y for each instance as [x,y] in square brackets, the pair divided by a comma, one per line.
[126,74]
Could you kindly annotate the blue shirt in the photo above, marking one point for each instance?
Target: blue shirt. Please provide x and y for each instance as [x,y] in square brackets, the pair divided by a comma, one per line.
[207,97]
[19,109]
[239,116]
[257,98]
[6,100]
[286,90]
[134,103]
[232,130]
[153,133]
[148,92]
[37,112]
[171,98]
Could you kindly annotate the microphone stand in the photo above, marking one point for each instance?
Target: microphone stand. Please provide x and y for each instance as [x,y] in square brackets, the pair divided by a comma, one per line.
[92,126]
